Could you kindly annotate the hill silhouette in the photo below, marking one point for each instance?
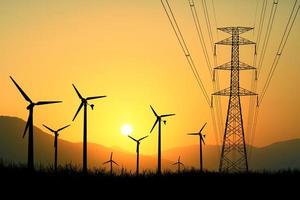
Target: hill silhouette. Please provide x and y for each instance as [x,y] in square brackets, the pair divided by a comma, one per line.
[13,148]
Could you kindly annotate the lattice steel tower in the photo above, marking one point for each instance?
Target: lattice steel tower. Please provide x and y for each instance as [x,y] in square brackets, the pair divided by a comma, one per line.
[234,154]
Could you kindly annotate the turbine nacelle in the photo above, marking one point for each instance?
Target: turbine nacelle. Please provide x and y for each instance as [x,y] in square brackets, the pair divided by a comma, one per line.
[84,101]
[202,136]
[30,106]
[137,141]
[159,118]
[56,132]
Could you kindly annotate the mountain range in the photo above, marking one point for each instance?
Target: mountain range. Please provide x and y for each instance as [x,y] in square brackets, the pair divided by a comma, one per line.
[13,148]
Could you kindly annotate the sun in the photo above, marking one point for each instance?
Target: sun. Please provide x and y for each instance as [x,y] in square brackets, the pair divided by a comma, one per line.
[126,129]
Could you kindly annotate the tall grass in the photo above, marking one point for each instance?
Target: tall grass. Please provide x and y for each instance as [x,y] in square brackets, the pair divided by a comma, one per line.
[72,170]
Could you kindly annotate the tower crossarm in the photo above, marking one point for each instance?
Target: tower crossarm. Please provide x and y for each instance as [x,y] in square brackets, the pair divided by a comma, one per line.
[228,92]
[228,66]
[231,41]
[230,30]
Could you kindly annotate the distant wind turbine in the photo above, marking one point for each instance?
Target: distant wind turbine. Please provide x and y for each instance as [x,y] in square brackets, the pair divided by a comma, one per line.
[158,120]
[84,103]
[29,124]
[137,151]
[111,161]
[179,164]
[56,134]
[201,140]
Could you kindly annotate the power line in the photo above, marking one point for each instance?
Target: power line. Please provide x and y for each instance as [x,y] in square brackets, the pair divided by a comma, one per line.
[251,116]
[200,35]
[215,16]
[267,36]
[219,107]
[208,24]
[252,107]
[261,22]
[289,21]
[205,52]
[283,42]
[216,84]
[255,15]
[218,142]
[184,48]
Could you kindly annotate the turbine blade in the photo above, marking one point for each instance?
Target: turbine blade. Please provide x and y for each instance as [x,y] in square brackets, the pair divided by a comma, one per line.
[63,128]
[115,162]
[27,125]
[154,111]
[175,163]
[202,139]
[47,102]
[106,162]
[193,133]
[143,138]
[202,127]
[48,128]
[111,155]
[21,91]
[132,138]
[79,95]
[168,115]
[154,125]
[96,97]
[79,108]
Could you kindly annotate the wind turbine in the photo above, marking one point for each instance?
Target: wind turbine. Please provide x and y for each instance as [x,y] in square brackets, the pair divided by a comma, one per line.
[158,120]
[111,161]
[201,139]
[56,134]
[84,103]
[179,164]
[137,151]
[29,124]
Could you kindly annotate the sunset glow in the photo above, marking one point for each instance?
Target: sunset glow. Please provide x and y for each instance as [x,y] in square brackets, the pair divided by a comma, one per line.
[126,129]
[129,52]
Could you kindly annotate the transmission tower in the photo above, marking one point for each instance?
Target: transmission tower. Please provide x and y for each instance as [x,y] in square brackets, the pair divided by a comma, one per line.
[234,154]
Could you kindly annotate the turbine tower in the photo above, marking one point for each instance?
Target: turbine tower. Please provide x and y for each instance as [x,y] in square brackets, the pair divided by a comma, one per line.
[84,103]
[138,142]
[111,162]
[56,134]
[201,140]
[179,164]
[158,121]
[234,154]
[29,124]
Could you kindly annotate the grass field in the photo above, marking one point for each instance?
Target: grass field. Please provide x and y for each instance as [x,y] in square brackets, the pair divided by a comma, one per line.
[69,180]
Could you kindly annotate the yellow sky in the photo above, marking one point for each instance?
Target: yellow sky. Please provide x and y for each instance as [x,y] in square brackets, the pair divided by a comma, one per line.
[127,51]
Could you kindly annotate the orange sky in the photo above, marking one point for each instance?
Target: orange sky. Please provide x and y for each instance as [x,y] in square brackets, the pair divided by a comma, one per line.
[127,51]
